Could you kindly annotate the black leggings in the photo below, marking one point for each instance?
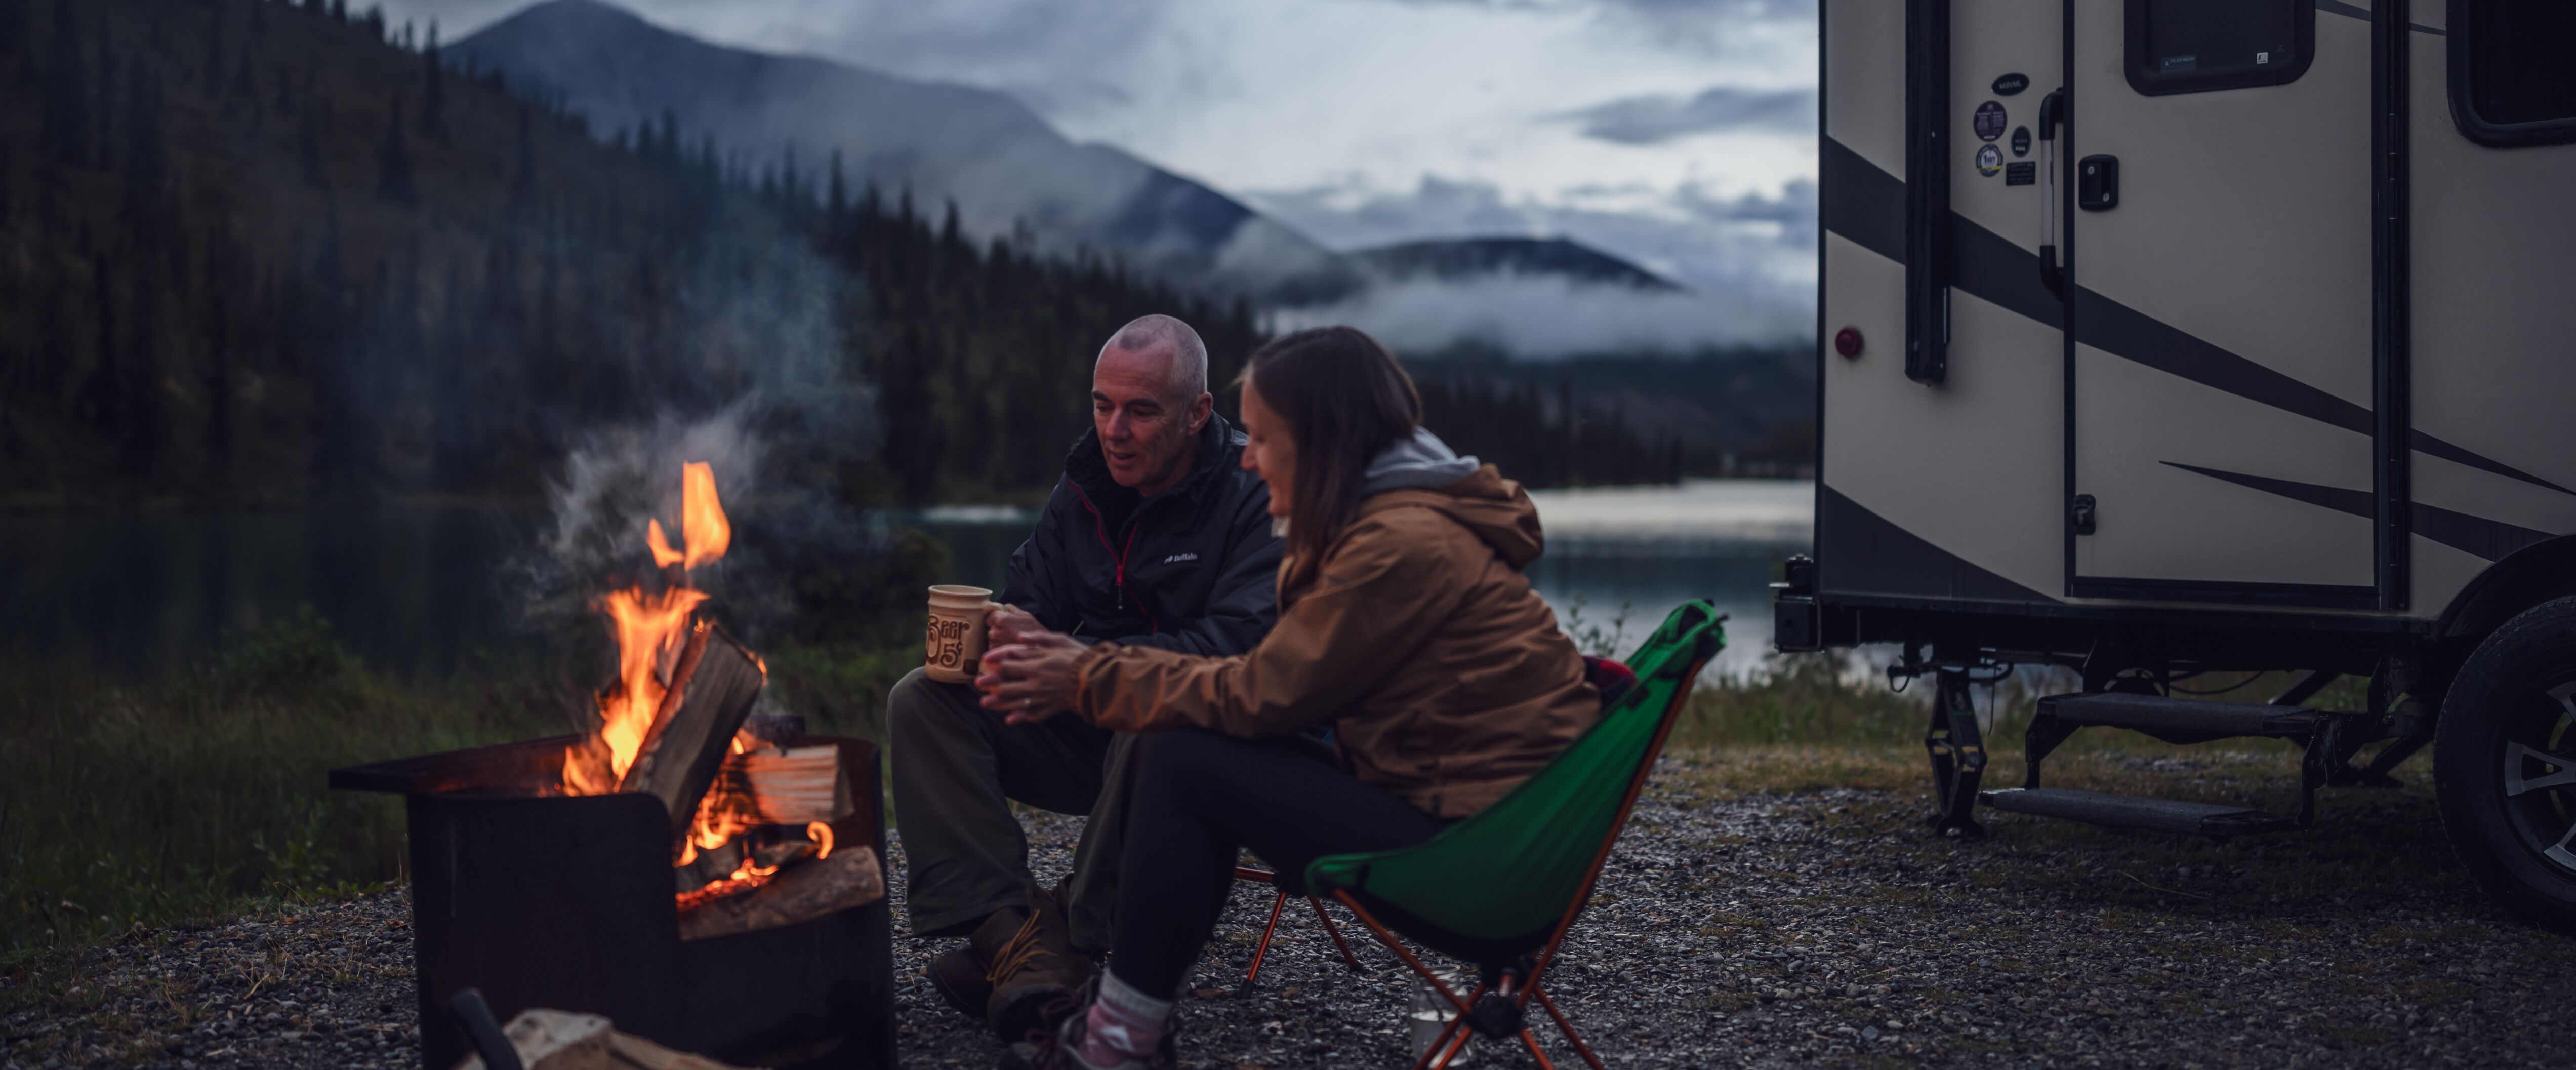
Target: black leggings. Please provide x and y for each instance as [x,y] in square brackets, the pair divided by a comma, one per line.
[1201,797]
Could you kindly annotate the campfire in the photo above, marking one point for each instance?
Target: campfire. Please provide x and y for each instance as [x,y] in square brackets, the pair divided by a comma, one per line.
[694,867]
[746,804]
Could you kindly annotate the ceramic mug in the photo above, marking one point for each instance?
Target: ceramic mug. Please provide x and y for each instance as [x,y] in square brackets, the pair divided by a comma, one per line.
[954,642]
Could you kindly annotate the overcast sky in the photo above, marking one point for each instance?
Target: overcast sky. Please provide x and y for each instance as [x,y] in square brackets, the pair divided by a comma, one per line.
[1677,133]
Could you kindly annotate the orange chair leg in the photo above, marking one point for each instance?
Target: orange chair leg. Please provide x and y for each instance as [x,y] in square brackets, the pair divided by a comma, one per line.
[1335,931]
[1531,1043]
[1564,1027]
[1263,948]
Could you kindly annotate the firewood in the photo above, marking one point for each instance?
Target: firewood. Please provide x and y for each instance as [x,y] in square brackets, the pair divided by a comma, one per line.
[796,786]
[638,1053]
[801,892]
[561,1040]
[712,690]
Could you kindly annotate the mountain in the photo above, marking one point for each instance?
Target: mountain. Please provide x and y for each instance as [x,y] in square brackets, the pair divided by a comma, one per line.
[1463,259]
[1008,172]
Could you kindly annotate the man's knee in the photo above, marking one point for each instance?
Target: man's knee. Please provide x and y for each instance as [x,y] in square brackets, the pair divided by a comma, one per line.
[921,710]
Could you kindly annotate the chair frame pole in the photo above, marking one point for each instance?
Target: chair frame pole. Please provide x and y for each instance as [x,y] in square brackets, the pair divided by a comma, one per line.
[1564,924]
[1335,931]
[1262,949]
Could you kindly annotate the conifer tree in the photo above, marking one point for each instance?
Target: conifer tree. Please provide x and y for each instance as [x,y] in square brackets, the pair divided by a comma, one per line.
[214,73]
[393,162]
[433,99]
[66,88]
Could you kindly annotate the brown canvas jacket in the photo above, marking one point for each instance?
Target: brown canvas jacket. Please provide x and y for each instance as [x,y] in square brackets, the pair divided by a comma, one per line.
[1445,677]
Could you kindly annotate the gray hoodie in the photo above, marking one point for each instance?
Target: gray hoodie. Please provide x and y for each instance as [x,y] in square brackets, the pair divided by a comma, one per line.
[1421,461]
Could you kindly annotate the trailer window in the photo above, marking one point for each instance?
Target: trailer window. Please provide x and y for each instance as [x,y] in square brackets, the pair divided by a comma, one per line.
[2512,81]
[2194,46]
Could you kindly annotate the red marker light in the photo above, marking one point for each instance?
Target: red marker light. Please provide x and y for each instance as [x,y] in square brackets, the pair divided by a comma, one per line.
[1847,341]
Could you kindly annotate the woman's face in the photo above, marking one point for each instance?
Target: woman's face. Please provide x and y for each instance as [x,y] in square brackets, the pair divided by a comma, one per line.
[1268,452]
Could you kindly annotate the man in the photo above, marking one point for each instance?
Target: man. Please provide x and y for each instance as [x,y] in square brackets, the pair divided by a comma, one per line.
[1154,537]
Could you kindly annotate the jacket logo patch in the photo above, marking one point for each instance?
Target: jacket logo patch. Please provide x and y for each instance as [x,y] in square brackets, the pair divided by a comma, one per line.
[1180,557]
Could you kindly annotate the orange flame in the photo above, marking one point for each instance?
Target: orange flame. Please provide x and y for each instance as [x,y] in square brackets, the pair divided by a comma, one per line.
[702,518]
[651,629]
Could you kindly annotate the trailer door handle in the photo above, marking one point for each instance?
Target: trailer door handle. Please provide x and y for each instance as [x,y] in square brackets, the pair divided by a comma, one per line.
[2082,514]
[2097,183]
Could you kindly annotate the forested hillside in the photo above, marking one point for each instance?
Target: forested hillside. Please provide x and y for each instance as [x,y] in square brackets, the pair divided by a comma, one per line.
[268,254]
[258,253]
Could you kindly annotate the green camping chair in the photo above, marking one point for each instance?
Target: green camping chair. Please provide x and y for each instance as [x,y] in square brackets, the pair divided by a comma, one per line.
[1510,881]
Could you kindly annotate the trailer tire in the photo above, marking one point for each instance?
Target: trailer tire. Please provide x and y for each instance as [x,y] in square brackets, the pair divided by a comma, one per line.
[2505,741]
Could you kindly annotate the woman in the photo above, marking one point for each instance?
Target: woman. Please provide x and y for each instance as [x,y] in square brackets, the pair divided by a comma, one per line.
[1405,625]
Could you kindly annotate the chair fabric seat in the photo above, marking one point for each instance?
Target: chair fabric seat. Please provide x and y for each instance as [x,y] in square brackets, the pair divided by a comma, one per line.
[1496,885]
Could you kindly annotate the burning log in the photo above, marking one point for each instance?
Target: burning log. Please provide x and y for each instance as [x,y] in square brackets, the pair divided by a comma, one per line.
[712,690]
[561,1040]
[843,879]
[797,786]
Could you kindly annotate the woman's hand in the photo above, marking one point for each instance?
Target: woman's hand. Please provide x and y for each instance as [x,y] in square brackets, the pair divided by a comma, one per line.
[1013,626]
[1029,682]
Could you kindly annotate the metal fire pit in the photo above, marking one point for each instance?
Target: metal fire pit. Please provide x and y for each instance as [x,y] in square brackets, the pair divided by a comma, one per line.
[566,902]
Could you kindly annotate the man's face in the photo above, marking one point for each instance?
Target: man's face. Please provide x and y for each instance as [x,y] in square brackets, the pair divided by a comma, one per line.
[1145,431]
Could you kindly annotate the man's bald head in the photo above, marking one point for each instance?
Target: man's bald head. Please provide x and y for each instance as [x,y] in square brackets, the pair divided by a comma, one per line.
[1148,401]
[1160,334]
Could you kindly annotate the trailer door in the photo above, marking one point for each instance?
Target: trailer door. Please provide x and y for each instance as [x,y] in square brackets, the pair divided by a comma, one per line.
[2219,358]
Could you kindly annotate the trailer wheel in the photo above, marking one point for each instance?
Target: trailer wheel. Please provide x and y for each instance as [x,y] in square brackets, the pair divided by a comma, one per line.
[2504,764]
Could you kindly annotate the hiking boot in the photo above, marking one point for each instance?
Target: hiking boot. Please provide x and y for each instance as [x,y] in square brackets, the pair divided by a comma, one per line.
[1060,1048]
[958,976]
[963,976]
[1034,970]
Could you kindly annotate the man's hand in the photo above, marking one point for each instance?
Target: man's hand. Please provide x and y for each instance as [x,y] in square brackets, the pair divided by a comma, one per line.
[1013,626]
[1029,682]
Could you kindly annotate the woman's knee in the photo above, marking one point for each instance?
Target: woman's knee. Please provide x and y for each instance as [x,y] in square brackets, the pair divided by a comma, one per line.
[1179,759]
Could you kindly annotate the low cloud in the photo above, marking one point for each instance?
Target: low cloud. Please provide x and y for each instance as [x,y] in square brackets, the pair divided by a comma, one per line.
[1650,120]
[1551,317]
[1687,234]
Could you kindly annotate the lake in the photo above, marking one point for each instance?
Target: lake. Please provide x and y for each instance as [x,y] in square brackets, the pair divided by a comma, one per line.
[422,593]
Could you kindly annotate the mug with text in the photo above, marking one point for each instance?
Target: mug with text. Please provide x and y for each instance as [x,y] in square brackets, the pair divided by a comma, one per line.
[954,641]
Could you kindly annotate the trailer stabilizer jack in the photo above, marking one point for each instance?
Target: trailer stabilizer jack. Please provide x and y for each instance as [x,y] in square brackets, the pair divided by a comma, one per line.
[1958,750]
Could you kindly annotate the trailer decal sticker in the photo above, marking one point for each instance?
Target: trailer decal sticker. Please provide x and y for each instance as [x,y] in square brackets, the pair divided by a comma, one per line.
[1989,160]
[1990,121]
[2489,539]
[2021,141]
[2025,173]
[2010,84]
[1866,205]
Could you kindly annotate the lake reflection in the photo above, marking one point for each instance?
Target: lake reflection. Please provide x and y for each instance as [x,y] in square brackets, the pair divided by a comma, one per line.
[413,592]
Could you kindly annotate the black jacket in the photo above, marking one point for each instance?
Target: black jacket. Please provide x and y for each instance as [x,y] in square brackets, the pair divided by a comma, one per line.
[1193,569]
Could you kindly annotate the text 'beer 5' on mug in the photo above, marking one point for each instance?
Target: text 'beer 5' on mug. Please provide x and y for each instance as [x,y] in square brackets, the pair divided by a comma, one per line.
[954,642]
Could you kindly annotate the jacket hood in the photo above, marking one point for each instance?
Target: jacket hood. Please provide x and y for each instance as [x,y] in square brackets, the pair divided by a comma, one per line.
[1420,461]
[1495,508]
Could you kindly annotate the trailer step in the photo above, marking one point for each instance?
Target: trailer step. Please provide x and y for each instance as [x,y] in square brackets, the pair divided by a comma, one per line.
[2179,719]
[2136,811]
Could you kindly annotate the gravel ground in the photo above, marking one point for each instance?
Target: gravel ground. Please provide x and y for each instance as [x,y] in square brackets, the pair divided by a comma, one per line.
[1748,919]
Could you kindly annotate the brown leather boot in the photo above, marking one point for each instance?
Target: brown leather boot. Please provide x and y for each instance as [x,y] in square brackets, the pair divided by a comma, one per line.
[963,976]
[1035,968]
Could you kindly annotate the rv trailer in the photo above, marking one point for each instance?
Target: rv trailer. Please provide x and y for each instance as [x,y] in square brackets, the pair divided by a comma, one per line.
[2166,337]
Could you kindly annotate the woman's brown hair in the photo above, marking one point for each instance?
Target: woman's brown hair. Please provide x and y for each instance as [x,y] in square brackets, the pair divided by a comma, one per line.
[1346,400]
